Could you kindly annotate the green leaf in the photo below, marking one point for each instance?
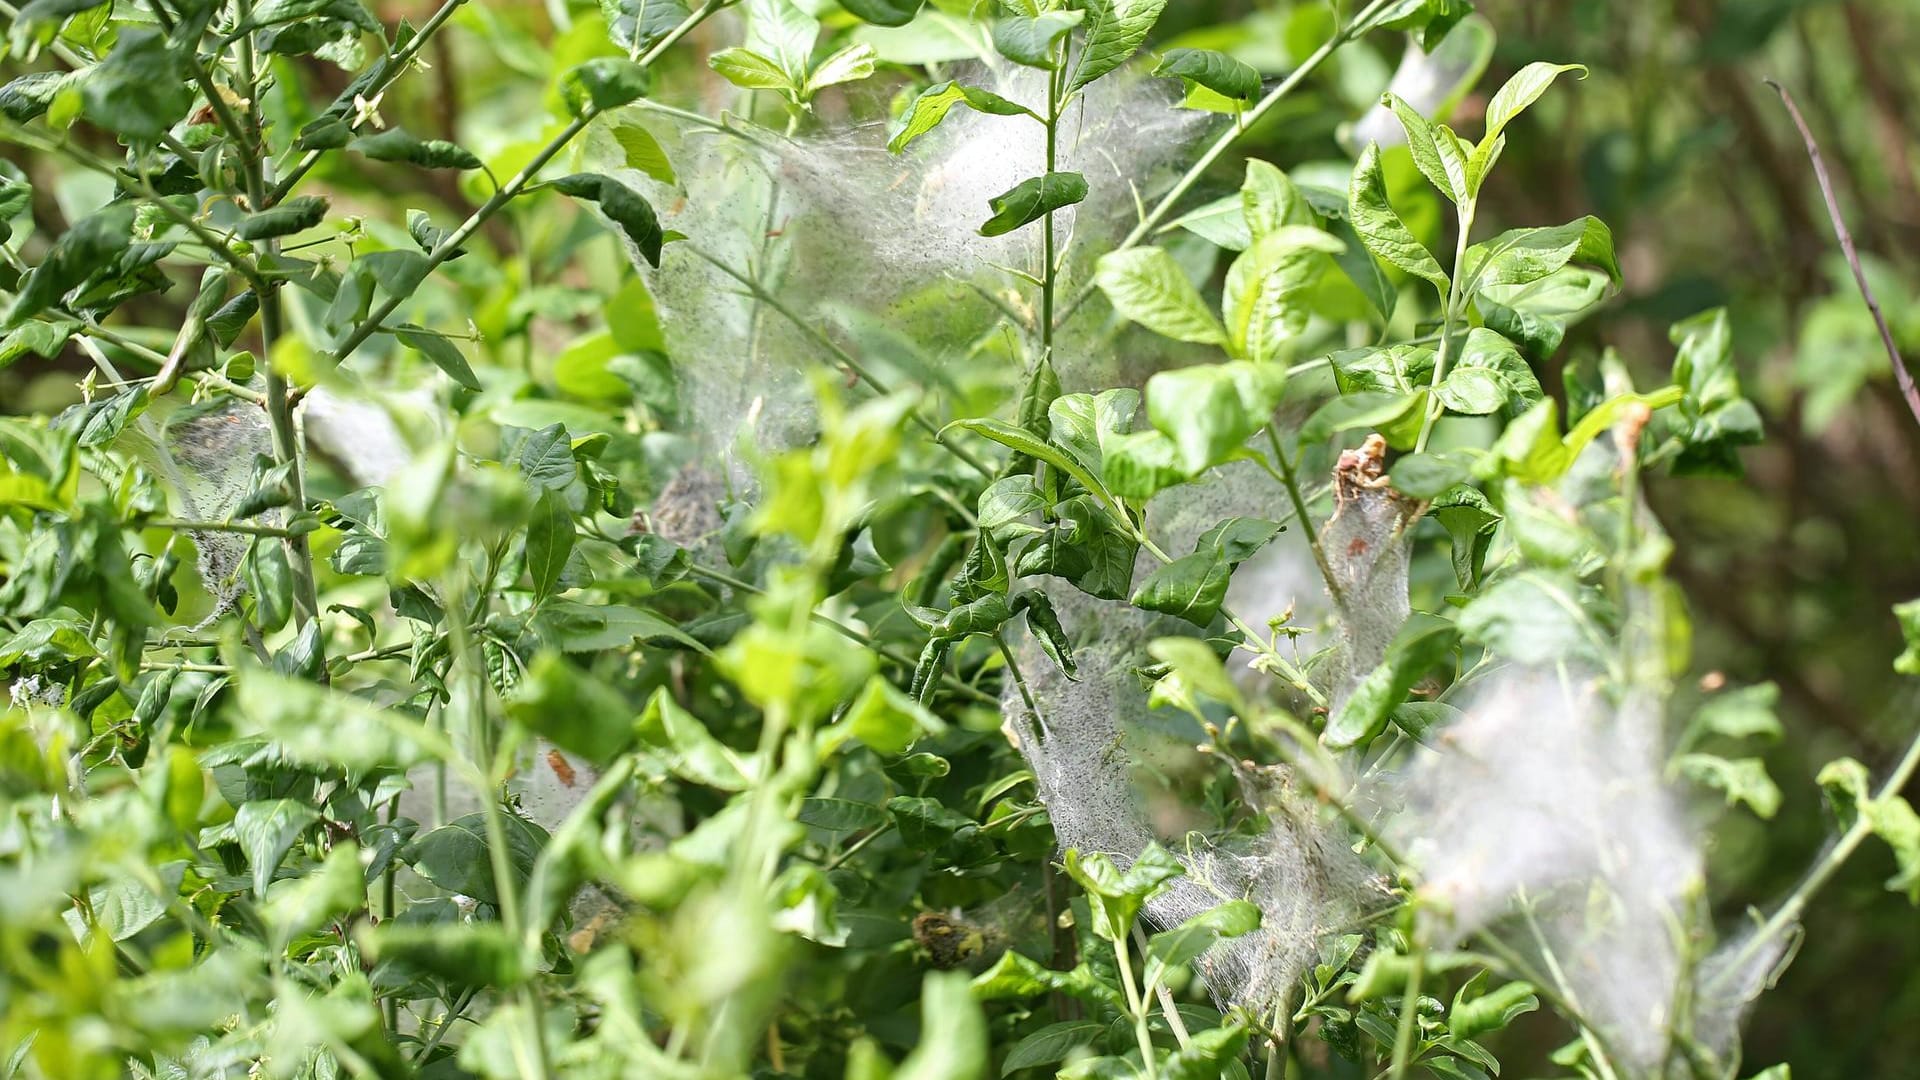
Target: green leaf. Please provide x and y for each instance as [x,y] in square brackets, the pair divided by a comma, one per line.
[640,150]
[121,908]
[1007,504]
[1716,418]
[1470,521]
[1746,713]
[1908,616]
[1531,448]
[338,886]
[1191,587]
[1490,375]
[1210,410]
[455,855]
[1392,414]
[1218,72]
[1475,1014]
[1145,285]
[577,627]
[1084,425]
[1524,256]
[884,12]
[926,111]
[886,720]
[572,707]
[1536,316]
[1030,39]
[1115,896]
[1532,618]
[266,830]
[1043,622]
[443,352]
[1238,539]
[30,95]
[314,726]
[749,70]
[1087,548]
[1014,977]
[851,64]
[953,1042]
[1437,152]
[1031,200]
[1140,465]
[1269,289]
[1115,31]
[550,536]
[295,215]
[396,144]
[690,751]
[1053,1044]
[1425,476]
[1184,943]
[622,205]
[1207,1054]
[140,90]
[1021,441]
[1270,201]
[1741,780]
[1508,102]
[464,954]
[1379,225]
[1423,643]
[602,83]
[1198,667]
[839,815]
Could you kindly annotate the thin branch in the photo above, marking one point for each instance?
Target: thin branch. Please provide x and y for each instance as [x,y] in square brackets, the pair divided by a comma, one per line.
[1900,373]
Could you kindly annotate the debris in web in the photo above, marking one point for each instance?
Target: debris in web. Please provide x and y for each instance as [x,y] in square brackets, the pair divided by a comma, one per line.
[1369,545]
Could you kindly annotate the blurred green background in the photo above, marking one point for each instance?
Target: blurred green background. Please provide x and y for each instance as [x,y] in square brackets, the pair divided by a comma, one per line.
[1678,144]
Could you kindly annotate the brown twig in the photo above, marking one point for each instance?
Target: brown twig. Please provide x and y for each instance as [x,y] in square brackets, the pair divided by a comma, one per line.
[1900,373]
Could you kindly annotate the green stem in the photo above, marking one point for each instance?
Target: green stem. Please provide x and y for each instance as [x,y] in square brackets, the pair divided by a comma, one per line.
[1789,911]
[396,66]
[855,848]
[1165,996]
[287,450]
[1136,1007]
[446,248]
[1048,275]
[1291,482]
[1404,1037]
[240,527]
[1454,300]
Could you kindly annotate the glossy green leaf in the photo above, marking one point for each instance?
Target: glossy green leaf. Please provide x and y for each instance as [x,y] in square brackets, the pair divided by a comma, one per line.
[1379,225]
[926,111]
[1115,30]
[1218,72]
[1031,200]
[1145,285]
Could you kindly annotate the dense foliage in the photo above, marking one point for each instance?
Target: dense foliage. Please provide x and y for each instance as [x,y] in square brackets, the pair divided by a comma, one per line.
[915,538]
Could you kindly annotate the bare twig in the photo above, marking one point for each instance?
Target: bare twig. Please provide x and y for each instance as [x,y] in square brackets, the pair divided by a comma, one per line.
[1900,373]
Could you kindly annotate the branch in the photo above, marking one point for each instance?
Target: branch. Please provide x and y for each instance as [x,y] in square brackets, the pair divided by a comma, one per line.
[1900,373]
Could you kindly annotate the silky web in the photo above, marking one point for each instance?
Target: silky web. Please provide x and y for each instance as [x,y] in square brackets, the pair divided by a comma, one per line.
[204,456]
[1545,800]
[1084,739]
[880,253]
